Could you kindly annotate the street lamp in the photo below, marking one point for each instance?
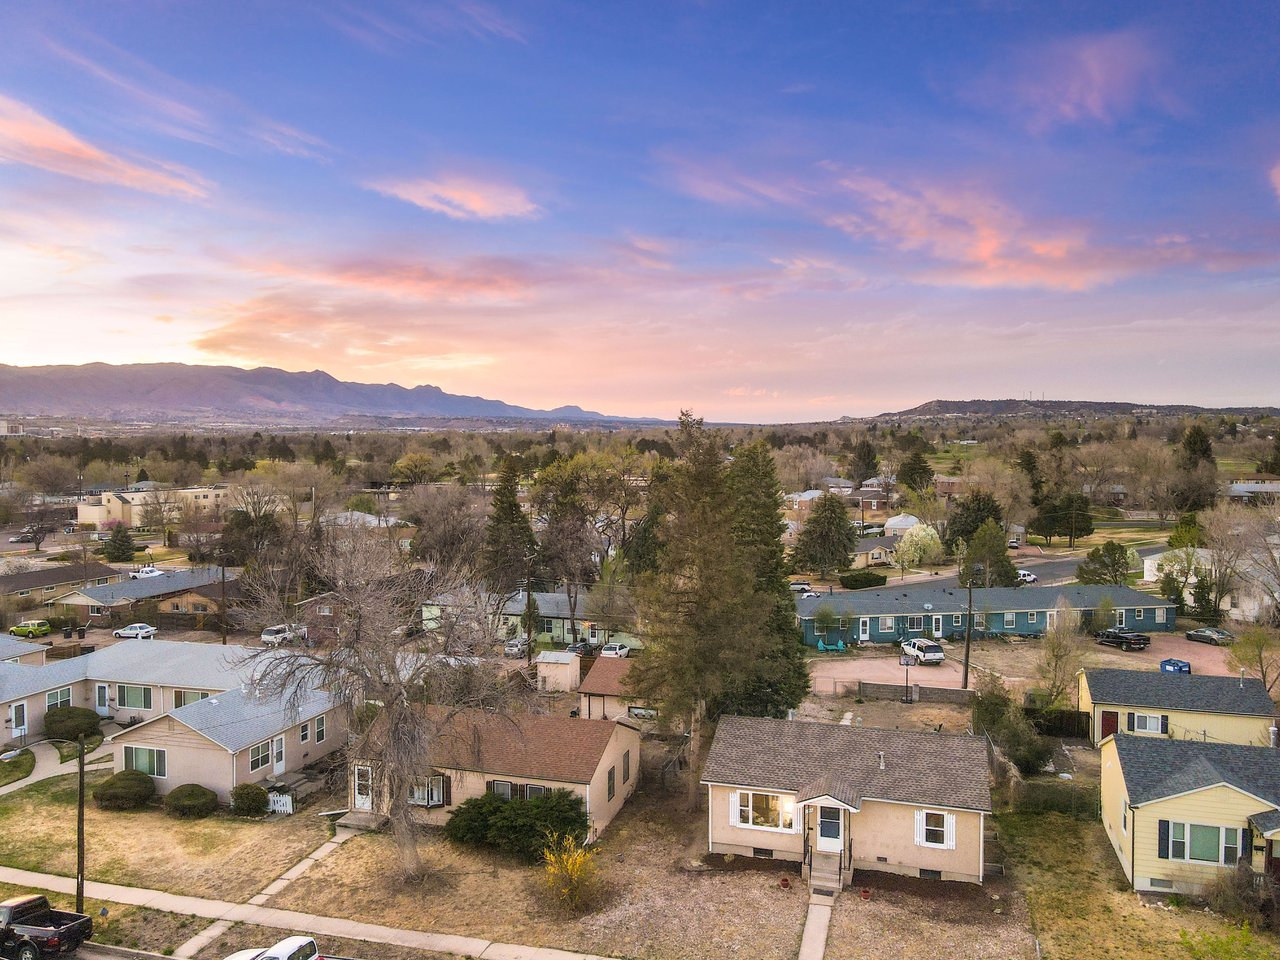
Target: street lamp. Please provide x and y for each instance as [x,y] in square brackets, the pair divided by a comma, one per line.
[10,755]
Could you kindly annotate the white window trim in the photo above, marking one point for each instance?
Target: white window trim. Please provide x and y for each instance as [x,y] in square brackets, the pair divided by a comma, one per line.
[1186,842]
[511,788]
[735,812]
[956,619]
[264,757]
[148,696]
[915,623]
[1139,613]
[1033,617]
[542,789]
[50,704]
[948,829]
[1010,620]
[885,625]
[1161,615]
[158,751]
[321,728]
[304,732]
[427,791]
[1147,719]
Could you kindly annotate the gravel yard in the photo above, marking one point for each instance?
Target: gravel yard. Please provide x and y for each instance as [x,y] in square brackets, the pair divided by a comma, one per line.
[888,714]
[656,908]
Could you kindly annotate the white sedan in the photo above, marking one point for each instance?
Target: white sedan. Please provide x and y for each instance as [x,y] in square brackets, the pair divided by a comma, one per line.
[615,650]
[135,631]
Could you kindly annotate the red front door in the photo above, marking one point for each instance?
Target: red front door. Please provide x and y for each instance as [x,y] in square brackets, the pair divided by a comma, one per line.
[1110,724]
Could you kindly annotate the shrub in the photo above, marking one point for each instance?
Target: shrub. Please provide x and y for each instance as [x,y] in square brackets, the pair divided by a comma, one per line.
[470,822]
[990,705]
[1026,749]
[126,790]
[68,723]
[860,579]
[249,800]
[1235,945]
[1245,898]
[569,874]
[190,801]
[518,827]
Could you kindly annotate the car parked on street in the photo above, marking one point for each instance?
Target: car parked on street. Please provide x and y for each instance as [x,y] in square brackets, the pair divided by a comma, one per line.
[31,628]
[1026,576]
[30,929]
[1122,638]
[135,631]
[1214,635]
[923,651]
[23,538]
[283,633]
[615,650]
[584,648]
[145,573]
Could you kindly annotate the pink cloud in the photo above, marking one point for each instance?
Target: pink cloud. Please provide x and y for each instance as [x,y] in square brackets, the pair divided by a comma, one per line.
[29,138]
[1275,179]
[462,198]
[1095,78]
[422,23]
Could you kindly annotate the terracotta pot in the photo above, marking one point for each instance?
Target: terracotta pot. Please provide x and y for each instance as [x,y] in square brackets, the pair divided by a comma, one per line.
[864,893]
[785,883]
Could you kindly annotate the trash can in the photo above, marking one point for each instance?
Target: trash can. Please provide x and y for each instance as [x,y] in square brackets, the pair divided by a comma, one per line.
[1173,665]
[80,632]
[66,633]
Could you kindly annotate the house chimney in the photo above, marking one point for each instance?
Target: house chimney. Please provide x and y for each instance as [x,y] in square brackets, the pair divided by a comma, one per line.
[1274,742]
[881,759]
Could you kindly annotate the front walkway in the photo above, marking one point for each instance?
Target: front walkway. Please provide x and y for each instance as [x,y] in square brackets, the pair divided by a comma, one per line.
[48,764]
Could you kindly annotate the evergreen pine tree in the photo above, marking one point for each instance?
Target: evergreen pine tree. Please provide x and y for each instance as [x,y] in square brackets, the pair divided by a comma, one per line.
[986,559]
[508,539]
[915,472]
[120,547]
[827,537]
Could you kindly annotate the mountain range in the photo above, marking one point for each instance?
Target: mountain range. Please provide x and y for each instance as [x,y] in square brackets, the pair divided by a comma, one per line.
[159,392]
[1055,408]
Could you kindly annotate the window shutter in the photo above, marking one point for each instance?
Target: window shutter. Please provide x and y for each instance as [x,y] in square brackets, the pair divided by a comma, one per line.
[949,831]
[1162,841]
[919,828]
[1246,845]
[488,786]
[1129,721]
[448,790]
[733,808]
[517,791]
[1164,723]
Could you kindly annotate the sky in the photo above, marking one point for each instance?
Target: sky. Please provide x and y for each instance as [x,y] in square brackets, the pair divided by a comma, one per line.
[760,211]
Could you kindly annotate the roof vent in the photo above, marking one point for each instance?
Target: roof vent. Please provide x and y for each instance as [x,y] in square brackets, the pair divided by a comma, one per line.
[881,759]
[1242,678]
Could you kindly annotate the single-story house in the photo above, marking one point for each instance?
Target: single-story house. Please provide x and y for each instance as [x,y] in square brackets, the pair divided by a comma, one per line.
[1249,596]
[1181,706]
[603,695]
[839,485]
[13,650]
[129,681]
[892,615]
[517,756]
[871,498]
[120,598]
[896,526]
[554,621]
[873,552]
[558,671]
[204,599]
[28,589]
[1180,813]
[838,798]
[222,740]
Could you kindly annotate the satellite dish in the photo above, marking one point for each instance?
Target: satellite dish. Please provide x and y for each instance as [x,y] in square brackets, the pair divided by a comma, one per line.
[928,606]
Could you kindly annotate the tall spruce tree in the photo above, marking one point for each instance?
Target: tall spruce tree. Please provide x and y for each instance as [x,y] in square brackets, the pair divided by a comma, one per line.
[969,513]
[779,680]
[986,560]
[508,537]
[915,473]
[701,614]
[827,537]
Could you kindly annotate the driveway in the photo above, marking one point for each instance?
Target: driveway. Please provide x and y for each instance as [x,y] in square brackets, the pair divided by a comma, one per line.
[835,674]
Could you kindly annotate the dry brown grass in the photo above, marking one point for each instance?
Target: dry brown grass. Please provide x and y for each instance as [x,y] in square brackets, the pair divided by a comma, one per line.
[246,936]
[655,910]
[909,919]
[888,714]
[221,857]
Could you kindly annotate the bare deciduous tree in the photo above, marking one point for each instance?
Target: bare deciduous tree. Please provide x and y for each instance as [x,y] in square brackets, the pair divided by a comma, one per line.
[1062,655]
[1228,539]
[384,660]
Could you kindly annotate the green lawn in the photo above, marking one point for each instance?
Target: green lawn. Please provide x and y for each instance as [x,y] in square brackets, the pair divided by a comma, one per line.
[68,751]
[18,768]
[1080,902]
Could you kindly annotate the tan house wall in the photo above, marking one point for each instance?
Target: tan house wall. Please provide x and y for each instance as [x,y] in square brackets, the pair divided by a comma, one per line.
[296,753]
[726,836]
[84,694]
[1115,807]
[600,809]
[597,707]
[189,757]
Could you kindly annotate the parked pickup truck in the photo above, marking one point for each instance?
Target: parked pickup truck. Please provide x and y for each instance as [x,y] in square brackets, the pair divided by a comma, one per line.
[1122,638]
[290,948]
[30,929]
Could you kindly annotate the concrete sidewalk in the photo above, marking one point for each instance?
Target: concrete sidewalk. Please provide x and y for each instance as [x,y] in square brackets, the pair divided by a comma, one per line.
[291,920]
[48,764]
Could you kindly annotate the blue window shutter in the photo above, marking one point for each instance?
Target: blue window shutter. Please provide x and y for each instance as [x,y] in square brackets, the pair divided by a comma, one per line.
[1162,843]
[1128,723]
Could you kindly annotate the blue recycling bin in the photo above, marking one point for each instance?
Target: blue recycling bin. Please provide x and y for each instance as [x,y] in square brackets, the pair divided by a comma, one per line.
[1173,665]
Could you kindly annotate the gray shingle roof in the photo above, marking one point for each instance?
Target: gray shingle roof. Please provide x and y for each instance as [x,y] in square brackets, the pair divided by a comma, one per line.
[1180,691]
[867,544]
[804,757]
[198,666]
[911,600]
[1155,767]
[1266,822]
[11,647]
[55,574]
[549,605]
[238,718]
[171,581]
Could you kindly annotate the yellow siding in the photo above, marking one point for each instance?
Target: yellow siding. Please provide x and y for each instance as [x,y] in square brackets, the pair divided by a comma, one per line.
[1220,806]
[1115,800]
[1188,724]
[1086,701]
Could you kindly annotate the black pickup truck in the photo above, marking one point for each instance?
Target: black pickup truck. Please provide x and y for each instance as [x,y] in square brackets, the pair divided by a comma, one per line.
[1122,638]
[30,929]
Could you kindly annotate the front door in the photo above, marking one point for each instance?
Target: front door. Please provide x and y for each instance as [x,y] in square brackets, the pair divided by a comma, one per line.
[830,829]
[18,719]
[101,700]
[1110,724]
[937,625]
[864,630]
[363,787]
[277,756]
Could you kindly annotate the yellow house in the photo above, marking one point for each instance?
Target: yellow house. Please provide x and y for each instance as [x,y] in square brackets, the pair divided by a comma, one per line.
[1181,706]
[836,799]
[1181,812]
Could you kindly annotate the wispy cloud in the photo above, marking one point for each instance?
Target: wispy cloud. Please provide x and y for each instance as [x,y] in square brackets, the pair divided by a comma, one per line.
[389,27]
[1275,179]
[1095,78]
[462,198]
[29,138]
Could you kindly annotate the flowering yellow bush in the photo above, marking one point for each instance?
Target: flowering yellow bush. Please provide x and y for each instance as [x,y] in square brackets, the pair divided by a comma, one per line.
[570,874]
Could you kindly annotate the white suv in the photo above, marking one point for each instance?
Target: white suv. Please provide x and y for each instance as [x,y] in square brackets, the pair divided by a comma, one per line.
[923,651]
[1026,576]
[283,633]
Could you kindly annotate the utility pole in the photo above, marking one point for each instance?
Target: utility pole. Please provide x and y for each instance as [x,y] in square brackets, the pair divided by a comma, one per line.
[222,604]
[80,835]
[968,636]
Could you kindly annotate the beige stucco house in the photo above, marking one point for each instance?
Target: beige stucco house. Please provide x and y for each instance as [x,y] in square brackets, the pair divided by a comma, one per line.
[128,507]
[516,757]
[13,650]
[226,739]
[1182,706]
[1181,813]
[603,695]
[838,798]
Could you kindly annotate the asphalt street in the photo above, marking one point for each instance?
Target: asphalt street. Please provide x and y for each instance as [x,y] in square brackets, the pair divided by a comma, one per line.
[1050,571]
